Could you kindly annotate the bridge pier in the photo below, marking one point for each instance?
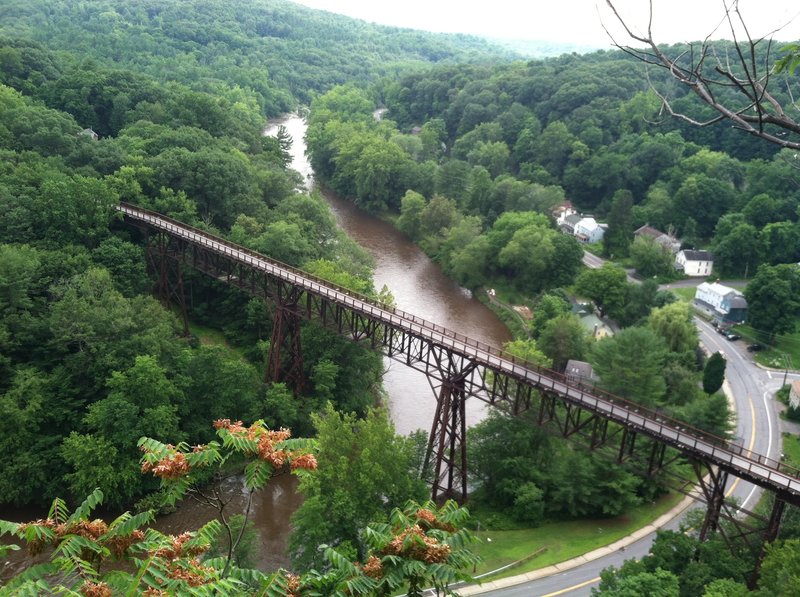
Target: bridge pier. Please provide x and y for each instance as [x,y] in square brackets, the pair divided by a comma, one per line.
[285,345]
[164,254]
[712,484]
[447,444]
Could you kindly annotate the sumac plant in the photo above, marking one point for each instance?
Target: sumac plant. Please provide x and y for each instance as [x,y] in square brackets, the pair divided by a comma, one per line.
[421,546]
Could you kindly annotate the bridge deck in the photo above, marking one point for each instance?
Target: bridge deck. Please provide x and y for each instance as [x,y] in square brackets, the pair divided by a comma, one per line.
[751,466]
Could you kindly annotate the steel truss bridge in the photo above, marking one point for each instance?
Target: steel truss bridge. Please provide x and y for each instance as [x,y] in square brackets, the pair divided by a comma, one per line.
[459,368]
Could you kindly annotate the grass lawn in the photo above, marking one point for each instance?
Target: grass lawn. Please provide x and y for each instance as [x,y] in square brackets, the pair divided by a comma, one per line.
[212,337]
[772,356]
[791,449]
[684,294]
[563,540]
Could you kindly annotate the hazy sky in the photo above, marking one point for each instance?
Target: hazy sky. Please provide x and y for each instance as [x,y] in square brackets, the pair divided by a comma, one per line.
[576,21]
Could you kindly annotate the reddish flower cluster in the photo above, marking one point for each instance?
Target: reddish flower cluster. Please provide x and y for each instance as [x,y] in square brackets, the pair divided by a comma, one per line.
[195,576]
[372,567]
[428,520]
[176,549]
[91,589]
[151,592]
[225,424]
[292,585]
[425,549]
[266,440]
[36,546]
[119,544]
[305,461]
[89,530]
[172,466]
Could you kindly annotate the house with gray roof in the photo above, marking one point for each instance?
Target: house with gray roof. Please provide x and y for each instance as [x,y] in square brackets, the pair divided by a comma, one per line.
[580,372]
[694,263]
[724,304]
[668,241]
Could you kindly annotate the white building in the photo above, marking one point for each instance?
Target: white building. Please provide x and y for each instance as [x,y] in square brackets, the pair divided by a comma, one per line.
[587,230]
[694,263]
[726,305]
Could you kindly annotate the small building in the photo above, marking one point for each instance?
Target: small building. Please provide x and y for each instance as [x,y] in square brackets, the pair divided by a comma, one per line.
[89,133]
[568,222]
[562,210]
[580,372]
[694,263]
[588,230]
[594,326]
[667,241]
[794,394]
[724,304]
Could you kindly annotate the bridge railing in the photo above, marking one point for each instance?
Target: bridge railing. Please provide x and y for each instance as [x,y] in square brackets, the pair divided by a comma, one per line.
[476,346]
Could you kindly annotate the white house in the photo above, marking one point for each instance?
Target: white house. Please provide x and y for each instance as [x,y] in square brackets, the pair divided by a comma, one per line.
[694,263]
[726,305]
[567,223]
[588,230]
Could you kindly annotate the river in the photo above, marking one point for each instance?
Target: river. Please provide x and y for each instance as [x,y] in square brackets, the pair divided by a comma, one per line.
[420,287]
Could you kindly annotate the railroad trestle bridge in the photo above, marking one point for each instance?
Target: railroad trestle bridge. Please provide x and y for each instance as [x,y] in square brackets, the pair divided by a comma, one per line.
[459,368]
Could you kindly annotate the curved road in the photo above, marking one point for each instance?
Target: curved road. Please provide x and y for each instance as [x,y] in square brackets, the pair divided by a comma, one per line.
[757,428]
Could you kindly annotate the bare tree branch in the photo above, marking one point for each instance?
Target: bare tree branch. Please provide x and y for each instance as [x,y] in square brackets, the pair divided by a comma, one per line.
[748,71]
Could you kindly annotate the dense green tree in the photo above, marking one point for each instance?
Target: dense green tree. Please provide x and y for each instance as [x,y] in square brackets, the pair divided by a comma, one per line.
[219,384]
[439,214]
[524,471]
[619,236]
[564,338]
[659,583]
[709,413]
[640,300]
[469,265]
[704,199]
[674,323]
[630,365]
[650,258]
[781,242]
[363,472]
[772,300]
[127,264]
[606,286]
[24,433]
[739,252]
[780,570]
[725,587]
[411,207]
[548,306]
[714,373]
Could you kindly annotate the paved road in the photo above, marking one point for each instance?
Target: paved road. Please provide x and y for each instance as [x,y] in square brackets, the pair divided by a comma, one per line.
[757,428]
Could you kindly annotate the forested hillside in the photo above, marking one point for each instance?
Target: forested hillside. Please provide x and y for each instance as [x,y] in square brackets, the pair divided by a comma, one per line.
[178,93]
[282,51]
[481,141]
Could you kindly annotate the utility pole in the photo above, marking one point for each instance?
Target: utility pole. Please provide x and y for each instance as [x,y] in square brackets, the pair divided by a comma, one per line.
[787,359]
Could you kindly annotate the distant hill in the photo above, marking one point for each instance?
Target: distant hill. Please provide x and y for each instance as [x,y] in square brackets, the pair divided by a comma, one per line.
[270,45]
[544,49]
